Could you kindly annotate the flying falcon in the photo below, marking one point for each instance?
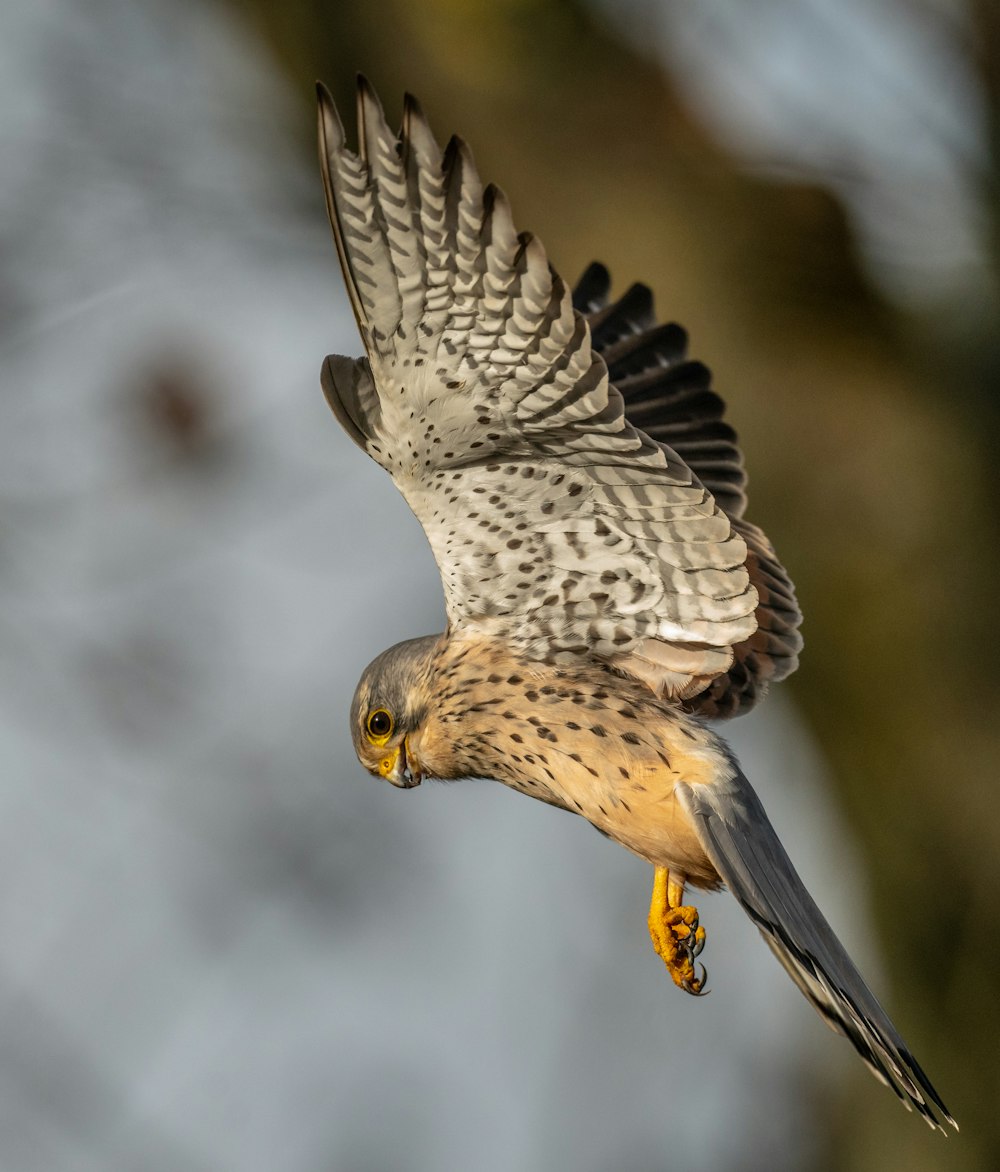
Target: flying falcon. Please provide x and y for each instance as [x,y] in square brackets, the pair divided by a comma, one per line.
[584,500]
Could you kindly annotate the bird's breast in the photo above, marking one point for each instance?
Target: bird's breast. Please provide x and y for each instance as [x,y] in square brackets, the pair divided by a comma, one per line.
[578,737]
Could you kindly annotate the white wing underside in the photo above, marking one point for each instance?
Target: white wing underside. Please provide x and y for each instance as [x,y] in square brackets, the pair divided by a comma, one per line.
[556,524]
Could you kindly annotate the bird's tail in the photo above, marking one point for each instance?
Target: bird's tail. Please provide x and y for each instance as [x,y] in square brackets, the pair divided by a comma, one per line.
[739,839]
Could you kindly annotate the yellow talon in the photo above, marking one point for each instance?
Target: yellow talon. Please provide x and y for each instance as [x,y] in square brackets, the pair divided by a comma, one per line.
[677,936]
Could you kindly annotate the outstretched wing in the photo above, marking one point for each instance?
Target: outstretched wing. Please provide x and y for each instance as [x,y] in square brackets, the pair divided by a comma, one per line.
[556,524]
[738,837]
[671,399]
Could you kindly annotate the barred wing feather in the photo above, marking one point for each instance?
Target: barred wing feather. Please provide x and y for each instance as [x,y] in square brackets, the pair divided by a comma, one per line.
[555,522]
[670,397]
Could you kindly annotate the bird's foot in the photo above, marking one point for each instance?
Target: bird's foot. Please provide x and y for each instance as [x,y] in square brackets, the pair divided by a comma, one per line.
[677,936]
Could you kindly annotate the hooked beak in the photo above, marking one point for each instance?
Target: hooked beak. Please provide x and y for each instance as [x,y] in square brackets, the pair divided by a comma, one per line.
[400,768]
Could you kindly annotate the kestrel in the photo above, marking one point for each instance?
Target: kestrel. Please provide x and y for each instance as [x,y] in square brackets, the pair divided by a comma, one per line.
[584,501]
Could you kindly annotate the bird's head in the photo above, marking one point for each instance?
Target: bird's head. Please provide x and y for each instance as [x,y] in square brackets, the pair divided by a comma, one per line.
[389,707]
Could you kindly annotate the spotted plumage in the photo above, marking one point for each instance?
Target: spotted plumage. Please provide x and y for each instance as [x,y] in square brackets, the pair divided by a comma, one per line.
[584,499]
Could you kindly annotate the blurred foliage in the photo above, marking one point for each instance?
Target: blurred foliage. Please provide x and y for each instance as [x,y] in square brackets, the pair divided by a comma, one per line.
[868,436]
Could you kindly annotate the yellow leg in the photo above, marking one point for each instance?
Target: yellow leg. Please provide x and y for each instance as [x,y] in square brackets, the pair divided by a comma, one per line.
[677,936]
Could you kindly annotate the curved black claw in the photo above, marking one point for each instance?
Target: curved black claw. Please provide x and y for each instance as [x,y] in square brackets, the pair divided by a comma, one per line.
[696,986]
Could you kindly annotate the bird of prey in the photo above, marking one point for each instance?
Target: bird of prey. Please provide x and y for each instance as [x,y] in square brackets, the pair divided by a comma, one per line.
[605,595]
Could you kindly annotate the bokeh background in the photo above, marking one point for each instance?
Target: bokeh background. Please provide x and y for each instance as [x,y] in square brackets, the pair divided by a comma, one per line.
[222,946]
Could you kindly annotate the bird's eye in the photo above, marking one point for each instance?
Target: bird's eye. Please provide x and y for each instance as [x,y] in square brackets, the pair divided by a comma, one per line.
[379,724]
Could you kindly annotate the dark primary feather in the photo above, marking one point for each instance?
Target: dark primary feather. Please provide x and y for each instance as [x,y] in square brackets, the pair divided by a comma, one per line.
[739,839]
[591,292]
[670,398]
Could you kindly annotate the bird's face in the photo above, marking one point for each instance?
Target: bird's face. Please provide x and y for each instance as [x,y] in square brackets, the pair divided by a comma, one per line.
[388,710]
[383,749]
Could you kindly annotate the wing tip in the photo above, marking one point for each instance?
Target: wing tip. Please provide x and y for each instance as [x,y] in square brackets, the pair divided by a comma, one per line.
[496,204]
[371,121]
[366,91]
[331,129]
[457,150]
[413,107]
[590,294]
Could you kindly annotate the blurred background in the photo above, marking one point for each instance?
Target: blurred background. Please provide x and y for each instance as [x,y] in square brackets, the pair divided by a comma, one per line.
[222,945]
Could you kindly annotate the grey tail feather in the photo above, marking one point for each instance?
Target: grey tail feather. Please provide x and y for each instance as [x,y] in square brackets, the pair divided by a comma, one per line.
[739,839]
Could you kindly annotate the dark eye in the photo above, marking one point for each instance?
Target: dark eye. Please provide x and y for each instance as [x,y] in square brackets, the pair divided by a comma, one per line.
[379,724]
